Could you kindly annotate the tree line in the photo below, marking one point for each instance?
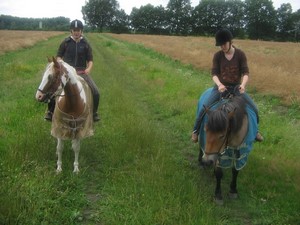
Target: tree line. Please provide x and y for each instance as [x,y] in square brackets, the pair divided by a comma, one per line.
[253,19]
[17,23]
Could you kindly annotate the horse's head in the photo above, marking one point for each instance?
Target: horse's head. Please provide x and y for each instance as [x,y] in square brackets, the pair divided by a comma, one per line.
[217,133]
[52,81]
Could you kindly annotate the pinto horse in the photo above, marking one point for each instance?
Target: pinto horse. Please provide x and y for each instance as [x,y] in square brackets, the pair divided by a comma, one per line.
[226,136]
[72,117]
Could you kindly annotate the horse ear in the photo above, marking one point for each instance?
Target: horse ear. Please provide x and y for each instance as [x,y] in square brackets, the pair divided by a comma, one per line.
[56,64]
[49,59]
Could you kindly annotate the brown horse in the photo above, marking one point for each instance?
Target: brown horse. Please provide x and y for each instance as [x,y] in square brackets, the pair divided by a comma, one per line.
[72,117]
[225,129]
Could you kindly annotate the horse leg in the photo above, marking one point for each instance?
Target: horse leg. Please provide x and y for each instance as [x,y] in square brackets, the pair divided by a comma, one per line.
[76,148]
[59,149]
[218,192]
[233,193]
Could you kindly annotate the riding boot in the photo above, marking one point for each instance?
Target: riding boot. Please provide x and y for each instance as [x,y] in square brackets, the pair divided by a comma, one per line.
[96,98]
[259,137]
[49,113]
[195,136]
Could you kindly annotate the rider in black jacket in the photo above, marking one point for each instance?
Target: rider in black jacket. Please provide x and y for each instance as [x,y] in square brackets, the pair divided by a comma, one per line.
[76,51]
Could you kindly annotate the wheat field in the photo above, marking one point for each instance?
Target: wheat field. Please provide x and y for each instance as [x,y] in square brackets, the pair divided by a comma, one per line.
[274,66]
[11,40]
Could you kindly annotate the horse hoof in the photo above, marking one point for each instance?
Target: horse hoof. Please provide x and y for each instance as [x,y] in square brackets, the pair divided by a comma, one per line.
[233,195]
[76,171]
[58,170]
[218,201]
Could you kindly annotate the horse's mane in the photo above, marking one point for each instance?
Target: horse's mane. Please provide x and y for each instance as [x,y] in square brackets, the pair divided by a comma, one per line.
[229,113]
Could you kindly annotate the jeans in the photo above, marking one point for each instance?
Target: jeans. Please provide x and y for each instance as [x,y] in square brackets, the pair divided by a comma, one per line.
[216,96]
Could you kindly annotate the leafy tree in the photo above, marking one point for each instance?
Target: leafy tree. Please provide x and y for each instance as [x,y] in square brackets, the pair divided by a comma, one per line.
[296,24]
[180,14]
[159,20]
[209,16]
[261,19]
[235,17]
[18,23]
[120,22]
[100,14]
[148,19]
[285,26]
[138,18]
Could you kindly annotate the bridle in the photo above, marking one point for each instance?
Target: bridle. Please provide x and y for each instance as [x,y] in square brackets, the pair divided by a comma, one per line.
[225,143]
[228,95]
[57,82]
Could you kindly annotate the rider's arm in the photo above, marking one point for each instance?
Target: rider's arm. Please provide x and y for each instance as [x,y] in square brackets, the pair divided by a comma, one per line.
[244,83]
[221,87]
[88,67]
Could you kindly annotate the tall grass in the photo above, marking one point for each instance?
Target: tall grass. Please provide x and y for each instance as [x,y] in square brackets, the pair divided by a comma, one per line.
[140,167]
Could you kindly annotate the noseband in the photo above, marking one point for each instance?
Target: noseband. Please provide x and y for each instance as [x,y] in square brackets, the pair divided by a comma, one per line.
[225,143]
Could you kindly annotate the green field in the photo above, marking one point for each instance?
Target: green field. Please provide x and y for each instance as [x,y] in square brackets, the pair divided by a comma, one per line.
[140,167]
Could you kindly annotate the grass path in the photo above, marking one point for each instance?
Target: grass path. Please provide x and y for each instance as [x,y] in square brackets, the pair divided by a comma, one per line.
[141,166]
[145,180]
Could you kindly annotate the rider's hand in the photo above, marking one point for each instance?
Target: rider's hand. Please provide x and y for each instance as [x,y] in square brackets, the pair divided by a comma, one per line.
[86,71]
[221,88]
[242,89]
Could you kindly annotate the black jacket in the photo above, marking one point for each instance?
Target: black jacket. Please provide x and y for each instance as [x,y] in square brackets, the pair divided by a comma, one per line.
[76,54]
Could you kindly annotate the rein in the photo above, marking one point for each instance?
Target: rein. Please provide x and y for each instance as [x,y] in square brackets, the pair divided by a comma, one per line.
[225,142]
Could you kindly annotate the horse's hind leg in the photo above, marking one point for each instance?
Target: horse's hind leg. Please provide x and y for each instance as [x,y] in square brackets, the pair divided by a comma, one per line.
[233,194]
[59,149]
[76,148]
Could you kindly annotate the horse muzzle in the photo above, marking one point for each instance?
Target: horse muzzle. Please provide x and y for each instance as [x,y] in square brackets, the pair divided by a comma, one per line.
[209,160]
[41,96]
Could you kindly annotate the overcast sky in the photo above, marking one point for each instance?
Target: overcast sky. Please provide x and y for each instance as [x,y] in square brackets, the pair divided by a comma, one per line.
[72,8]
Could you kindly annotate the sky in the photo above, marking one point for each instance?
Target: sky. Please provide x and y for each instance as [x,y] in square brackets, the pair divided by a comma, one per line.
[72,8]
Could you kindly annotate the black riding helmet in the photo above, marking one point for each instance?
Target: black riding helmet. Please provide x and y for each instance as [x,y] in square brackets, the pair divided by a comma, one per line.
[223,36]
[76,24]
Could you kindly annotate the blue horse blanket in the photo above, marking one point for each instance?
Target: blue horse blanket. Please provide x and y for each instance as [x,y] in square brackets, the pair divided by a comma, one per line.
[231,157]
